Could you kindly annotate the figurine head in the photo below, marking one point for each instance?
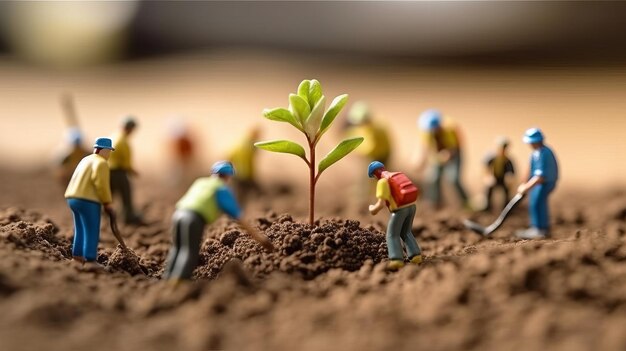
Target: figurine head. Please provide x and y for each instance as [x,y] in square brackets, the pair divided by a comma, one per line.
[129,124]
[359,113]
[430,120]
[74,137]
[502,144]
[223,169]
[534,137]
[103,147]
[375,169]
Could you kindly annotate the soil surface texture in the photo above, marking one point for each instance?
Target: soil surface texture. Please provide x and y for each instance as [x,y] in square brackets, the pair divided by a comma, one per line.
[325,287]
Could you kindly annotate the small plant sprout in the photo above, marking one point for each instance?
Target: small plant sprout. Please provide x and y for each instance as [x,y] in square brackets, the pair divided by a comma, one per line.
[307,113]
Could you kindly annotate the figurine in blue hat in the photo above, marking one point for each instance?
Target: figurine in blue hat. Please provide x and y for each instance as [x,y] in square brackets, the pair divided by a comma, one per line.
[86,193]
[543,176]
[442,147]
[395,191]
[204,202]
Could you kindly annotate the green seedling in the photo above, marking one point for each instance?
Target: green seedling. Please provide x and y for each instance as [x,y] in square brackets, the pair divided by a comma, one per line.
[307,113]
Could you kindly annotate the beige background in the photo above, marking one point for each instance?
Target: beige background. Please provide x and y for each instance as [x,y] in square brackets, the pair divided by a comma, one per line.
[581,110]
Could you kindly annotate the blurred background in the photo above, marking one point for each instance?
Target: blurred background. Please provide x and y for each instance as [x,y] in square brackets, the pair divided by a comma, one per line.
[497,68]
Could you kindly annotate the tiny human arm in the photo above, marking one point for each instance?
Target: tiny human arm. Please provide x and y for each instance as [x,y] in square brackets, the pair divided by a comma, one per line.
[228,204]
[532,182]
[101,180]
[382,192]
[375,208]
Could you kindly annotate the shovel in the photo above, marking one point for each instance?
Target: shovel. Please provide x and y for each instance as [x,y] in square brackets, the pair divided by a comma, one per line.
[115,229]
[486,231]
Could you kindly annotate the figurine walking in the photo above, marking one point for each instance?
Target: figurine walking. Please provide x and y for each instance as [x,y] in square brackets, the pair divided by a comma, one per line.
[121,170]
[498,167]
[441,139]
[204,202]
[87,192]
[544,174]
[398,193]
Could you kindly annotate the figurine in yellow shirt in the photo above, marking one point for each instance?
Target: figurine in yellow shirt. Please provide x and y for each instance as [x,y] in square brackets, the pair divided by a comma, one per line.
[87,191]
[242,157]
[442,147]
[121,170]
[376,145]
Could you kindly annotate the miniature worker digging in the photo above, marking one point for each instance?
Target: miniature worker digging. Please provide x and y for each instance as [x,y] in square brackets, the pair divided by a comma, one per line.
[86,193]
[206,199]
[544,174]
[499,169]
[395,190]
[72,154]
[121,170]
[442,146]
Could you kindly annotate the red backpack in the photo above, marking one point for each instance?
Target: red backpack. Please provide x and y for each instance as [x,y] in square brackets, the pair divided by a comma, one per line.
[403,190]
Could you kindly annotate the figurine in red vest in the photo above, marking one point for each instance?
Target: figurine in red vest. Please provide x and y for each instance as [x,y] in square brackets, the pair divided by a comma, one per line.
[395,191]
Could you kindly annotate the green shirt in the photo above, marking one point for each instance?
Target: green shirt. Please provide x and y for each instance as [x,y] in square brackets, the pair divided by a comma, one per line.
[201,198]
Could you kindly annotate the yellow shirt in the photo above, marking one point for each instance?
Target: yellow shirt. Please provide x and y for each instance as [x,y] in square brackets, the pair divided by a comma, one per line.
[376,144]
[447,139]
[242,157]
[383,192]
[90,180]
[121,158]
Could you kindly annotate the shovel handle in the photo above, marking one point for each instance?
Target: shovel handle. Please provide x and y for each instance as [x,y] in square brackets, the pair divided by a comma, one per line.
[115,229]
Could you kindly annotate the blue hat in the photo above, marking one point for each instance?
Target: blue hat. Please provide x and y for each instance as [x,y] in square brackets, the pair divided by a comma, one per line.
[533,135]
[373,167]
[429,120]
[104,143]
[223,168]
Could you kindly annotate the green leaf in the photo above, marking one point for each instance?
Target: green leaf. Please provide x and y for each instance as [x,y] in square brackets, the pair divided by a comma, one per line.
[299,107]
[340,151]
[283,146]
[312,124]
[303,90]
[333,110]
[282,115]
[314,93]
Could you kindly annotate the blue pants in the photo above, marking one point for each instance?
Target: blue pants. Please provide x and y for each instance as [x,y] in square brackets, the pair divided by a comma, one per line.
[452,171]
[86,228]
[399,229]
[538,207]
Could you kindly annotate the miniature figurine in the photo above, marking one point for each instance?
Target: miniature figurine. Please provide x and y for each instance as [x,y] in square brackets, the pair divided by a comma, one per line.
[376,146]
[499,168]
[86,193]
[72,154]
[121,168]
[73,151]
[182,152]
[242,156]
[206,199]
[442,140]
[398,193]
[544,174]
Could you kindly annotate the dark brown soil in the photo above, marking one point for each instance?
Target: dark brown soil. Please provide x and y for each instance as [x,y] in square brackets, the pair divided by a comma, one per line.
[324,288]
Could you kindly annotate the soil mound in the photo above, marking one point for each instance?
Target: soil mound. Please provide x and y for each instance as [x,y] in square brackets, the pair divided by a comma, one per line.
[32,231]
[301,249]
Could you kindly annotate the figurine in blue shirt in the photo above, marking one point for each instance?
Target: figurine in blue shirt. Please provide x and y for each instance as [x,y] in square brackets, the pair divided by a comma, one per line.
[544,174]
